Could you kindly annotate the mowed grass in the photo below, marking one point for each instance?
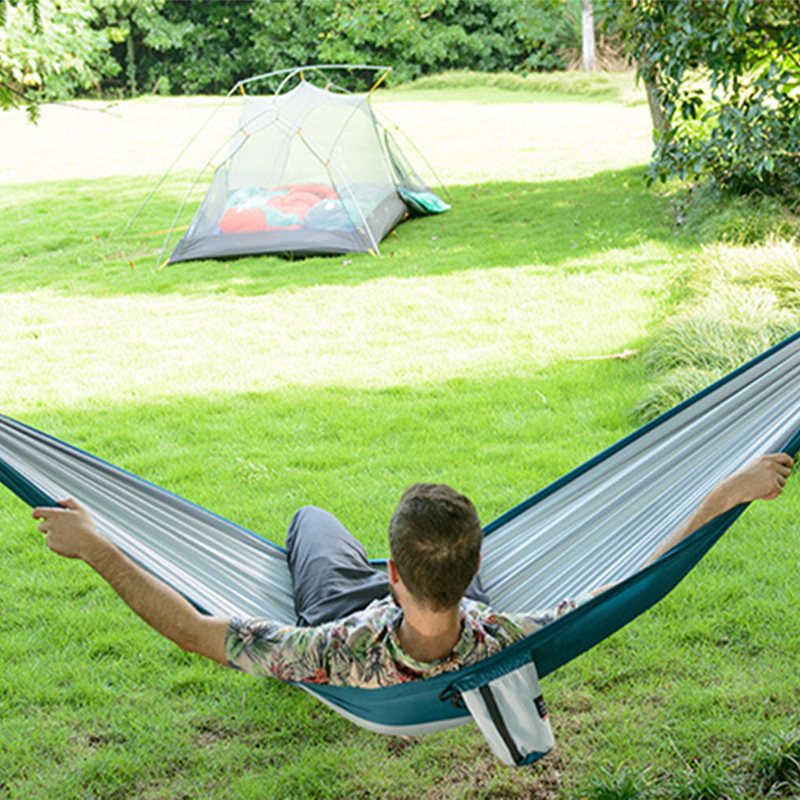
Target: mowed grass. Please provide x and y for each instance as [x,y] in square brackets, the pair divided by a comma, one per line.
[256,385]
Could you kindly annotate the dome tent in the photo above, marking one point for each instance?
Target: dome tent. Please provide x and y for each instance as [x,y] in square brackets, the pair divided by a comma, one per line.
[307,171]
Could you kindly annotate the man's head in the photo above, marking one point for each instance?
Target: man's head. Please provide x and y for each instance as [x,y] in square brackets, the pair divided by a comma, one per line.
[435,542]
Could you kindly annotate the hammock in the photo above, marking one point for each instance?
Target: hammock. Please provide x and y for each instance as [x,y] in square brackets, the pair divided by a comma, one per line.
[594,526]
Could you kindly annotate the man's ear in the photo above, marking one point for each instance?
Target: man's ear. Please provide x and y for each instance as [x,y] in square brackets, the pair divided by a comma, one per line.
[394,575]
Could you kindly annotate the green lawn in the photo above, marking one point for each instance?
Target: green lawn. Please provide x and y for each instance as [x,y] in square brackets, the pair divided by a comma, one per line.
[256,385]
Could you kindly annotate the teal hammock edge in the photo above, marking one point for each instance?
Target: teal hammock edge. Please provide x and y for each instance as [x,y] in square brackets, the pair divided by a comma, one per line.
[23,488]
[33,496]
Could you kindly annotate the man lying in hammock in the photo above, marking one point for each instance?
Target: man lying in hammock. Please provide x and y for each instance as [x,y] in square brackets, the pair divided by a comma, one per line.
[359,626]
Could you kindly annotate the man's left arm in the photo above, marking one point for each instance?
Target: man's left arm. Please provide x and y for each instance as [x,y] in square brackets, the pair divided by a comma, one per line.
[71,533]
[762,479]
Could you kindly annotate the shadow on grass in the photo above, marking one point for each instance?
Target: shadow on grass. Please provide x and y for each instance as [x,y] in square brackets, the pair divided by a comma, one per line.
[257,457]
[65,236]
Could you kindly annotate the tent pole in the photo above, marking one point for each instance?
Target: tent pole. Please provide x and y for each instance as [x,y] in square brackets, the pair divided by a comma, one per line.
[379,81]
[172,166]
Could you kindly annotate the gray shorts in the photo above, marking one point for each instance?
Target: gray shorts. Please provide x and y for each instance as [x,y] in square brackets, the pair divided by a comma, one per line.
[331,574]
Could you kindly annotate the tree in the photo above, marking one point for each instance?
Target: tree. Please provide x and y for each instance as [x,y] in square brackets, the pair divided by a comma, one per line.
[11,95]
[136,24]
[217,50]
[724,81]
[49,51]
[420,37]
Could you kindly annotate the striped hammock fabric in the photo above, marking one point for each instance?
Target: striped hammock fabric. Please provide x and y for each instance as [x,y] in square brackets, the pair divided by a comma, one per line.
[594,526]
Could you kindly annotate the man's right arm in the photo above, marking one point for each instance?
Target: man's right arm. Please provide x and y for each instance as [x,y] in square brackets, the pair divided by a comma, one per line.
[71,533]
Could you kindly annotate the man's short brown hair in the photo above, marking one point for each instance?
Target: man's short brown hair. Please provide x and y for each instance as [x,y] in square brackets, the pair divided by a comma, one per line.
[435,540]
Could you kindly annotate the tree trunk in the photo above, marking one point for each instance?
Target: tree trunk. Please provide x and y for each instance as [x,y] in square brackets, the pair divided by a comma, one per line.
[660,122]
[588,51]
[130,60]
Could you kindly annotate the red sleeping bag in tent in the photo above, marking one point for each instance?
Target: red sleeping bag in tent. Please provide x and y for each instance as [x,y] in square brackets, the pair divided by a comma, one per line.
[292,206]
[242,220]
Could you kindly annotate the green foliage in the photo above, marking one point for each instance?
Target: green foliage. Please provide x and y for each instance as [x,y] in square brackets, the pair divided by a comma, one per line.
[130,46]
[50,51]
[726,77]
[216,46]
[415,38]
[288,34]
[136,25]
[550,29]
[711,215]
[424,38]
[206,47]
[32,6]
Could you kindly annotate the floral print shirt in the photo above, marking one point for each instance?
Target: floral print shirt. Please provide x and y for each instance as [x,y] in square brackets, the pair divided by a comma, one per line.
[363,649]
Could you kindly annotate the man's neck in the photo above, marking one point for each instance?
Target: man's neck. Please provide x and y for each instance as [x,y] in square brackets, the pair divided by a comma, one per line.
[429,635]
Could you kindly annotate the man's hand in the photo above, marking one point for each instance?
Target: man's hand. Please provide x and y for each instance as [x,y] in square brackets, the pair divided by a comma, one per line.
[762,479]
[69,530]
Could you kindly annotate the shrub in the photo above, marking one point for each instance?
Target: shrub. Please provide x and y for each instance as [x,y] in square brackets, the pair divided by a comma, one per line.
[740,302]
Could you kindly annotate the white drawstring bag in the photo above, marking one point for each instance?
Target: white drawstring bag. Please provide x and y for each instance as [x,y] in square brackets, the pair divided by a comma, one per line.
[511,714]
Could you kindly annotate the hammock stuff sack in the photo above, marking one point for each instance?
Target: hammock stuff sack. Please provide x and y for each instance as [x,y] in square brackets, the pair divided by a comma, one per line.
[594,526]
